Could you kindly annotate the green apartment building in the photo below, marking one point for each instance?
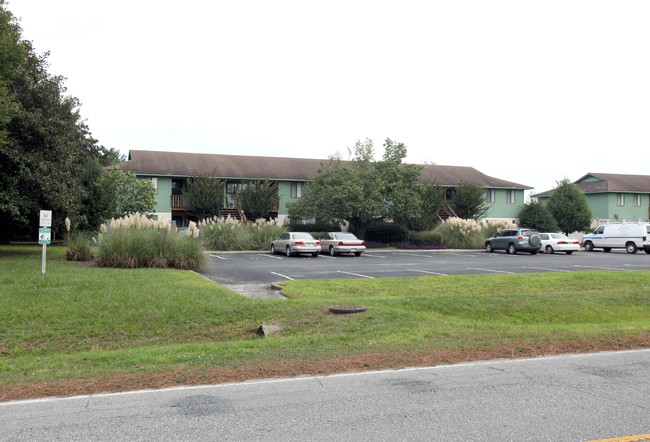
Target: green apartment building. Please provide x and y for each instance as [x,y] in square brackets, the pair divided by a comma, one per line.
[169,172]
[613,196]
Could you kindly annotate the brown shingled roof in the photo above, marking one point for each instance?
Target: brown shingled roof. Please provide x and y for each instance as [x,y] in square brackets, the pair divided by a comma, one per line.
[145,162]
[610,182]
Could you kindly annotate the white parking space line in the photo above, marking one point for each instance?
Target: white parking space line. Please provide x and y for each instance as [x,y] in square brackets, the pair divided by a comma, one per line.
[636,265]
[355,274]
[424,271]
[283,276]
[218,257]
[269,256]
[545,268]
[327,256]
[372,255]
[490,270]
[410,254]
[601,268]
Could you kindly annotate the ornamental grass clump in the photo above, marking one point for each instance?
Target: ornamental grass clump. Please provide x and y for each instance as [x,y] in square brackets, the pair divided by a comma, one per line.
[78,244]
[219,233]
[458,233]
[136,241]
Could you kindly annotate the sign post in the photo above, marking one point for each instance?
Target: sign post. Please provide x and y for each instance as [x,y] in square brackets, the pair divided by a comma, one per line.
[44,234]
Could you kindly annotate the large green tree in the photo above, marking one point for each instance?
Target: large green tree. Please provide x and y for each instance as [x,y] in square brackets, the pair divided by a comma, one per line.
[126,194]
[205,195]
[469,199]
[361,190]
[432,196]
[43,142]
[570,208]
[258,198]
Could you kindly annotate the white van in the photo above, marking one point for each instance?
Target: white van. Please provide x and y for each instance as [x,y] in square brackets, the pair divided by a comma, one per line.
[628,236]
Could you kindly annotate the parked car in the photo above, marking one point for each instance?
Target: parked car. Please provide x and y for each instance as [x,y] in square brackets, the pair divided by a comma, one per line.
[293,243]
[514,240]
[342,242]
[628,236]
[558,242]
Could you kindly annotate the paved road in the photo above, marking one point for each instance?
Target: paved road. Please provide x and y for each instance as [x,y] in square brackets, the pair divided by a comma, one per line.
[560,398]
[251,273]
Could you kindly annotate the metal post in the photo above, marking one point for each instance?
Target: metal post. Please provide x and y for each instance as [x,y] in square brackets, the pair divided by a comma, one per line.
[43,266]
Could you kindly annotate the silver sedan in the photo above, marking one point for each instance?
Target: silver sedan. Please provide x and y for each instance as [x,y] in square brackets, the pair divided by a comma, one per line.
[293,243]
[341,242]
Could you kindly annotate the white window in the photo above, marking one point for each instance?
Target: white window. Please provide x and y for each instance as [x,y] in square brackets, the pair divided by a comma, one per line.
[510,196]
[620,199]
[154,181]
[296,190]
[490,195]
[637,200]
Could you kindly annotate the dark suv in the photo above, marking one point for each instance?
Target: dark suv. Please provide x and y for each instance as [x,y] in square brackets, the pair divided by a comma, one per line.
[514,240]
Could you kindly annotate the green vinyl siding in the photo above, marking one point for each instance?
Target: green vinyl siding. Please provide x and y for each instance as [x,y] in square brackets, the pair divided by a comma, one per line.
[500,208]
[628,210]
[284,189]
[600,204]
[163,199]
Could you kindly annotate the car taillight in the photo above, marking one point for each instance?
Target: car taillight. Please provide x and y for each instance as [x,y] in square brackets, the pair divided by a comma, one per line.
[299,243]
[644,238]
[318,243]
[520,237]
[576,242]
[562,242]
[340,243]
[363,243]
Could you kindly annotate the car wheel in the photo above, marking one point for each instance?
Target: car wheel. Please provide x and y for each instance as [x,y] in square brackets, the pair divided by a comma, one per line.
[272,249]
[315,254]
[288,251]
[549,249]
[332,251]
[630,247]
[359,253]
[589,247]
[488,247]
[569,252]
[607,249]
[512,249]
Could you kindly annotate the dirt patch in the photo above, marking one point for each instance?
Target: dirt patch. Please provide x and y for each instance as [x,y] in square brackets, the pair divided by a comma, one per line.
[294,367]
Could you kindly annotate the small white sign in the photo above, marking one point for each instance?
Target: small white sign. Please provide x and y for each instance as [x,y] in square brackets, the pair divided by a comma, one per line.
[46,218]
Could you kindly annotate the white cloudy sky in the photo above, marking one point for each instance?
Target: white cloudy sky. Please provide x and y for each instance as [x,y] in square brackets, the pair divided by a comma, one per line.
[530,92]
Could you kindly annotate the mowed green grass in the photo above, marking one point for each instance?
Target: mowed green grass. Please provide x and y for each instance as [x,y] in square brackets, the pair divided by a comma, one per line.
[81,322]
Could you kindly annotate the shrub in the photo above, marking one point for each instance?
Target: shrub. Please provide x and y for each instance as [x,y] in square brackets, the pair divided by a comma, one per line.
[386,232]
[136,241]
[426,238]
[535,216]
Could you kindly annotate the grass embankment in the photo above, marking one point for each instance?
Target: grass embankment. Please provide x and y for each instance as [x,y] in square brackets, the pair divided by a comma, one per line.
[83,329]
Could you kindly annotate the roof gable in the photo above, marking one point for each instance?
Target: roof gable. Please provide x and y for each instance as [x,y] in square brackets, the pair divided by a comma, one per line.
[609,182]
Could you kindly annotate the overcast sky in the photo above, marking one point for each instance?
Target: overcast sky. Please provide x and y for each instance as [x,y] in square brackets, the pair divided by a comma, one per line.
[530,92]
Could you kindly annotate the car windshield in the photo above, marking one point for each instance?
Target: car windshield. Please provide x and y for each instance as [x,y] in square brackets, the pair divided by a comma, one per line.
[301,235]
[345,235]
[559,236]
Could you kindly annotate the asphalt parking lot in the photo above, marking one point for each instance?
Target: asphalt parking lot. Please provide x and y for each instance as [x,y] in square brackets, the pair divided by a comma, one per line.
[251,273]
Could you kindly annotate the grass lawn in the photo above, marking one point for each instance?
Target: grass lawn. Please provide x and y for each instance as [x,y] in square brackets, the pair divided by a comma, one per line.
[84,329]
